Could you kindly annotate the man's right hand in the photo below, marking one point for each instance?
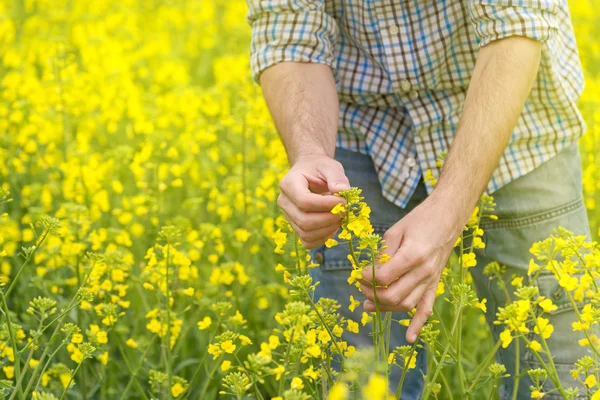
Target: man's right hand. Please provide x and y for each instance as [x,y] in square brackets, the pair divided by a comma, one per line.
[306,198]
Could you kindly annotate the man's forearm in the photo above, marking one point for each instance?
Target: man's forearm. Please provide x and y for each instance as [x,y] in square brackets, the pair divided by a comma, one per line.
[504,74]
[303,102]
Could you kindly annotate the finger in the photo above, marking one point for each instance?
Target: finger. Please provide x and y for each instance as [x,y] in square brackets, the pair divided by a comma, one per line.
[318,242]
[307,221]
[424,310]
[392,240]
[395,295]
[335,177]
[390,271]
[369,306]
[296,188]
[323,233]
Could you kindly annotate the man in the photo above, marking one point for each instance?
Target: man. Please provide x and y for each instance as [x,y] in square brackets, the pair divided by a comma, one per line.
[369,93]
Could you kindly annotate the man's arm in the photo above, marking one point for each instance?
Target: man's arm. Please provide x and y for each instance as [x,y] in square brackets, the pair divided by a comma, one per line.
[303,102]
[501,82]
[304,105]
[422,241]
[292,58]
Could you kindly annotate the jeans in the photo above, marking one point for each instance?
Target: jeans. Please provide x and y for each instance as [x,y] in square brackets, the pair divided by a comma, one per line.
[529,208]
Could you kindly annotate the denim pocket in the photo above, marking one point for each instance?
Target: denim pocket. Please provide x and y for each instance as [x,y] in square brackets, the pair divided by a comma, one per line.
[336,258]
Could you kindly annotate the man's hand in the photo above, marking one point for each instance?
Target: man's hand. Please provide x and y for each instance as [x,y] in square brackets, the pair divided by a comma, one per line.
[419,246]
[305,201]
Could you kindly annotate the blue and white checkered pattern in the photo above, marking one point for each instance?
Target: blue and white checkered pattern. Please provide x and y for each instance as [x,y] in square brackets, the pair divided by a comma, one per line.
[402,69]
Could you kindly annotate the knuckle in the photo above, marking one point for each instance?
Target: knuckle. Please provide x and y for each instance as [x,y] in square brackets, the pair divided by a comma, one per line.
[302,203]
[302,220]
[418,257]
[406,305]
[383,278]
[428,269]
[386,297]
[427,311]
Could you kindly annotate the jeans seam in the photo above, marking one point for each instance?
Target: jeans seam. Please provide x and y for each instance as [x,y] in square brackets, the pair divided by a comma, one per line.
[533,219]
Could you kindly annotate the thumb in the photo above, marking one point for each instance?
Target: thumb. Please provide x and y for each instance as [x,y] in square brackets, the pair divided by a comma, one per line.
[335,177]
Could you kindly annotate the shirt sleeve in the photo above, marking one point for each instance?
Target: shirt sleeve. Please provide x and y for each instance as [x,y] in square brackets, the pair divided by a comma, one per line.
[497,19]
[290,30]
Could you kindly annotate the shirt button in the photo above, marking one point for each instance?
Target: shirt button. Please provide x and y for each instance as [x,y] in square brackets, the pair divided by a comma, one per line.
[319,257]
[411,162]
[405,85]
[413,94]
[394,30]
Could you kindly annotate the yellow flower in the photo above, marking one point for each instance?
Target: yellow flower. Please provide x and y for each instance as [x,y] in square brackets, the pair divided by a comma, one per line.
[273,342]
[412,363]
[77,338]
[228,346]
[331,243]
[205,323]
[103,358]
[177,389]
[482,305]
[376,388]
[536,394]
[225,365]
[391,358]
[102,337]
[547,305]
[533,267]
[338,209]
[353,303]
[297,384]
[506,338]
[366,318]
[339,391]
[349,351]
[352,326]
[278,371]
[468,260]
[535,346]
[310,373]
[590,381]
[517,281]
[543,327]
[9,371]
[568,282]
[131,343]
[245,340]
[338,331]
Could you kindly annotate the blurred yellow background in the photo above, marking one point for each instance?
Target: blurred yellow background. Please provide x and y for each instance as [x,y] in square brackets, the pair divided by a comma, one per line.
[121,117]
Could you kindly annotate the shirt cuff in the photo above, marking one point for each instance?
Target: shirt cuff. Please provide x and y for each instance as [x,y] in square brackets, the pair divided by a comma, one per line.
[497,19]
[299,37]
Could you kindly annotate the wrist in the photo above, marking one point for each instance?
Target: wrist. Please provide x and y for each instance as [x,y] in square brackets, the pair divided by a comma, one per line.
[307,154]
[453,207]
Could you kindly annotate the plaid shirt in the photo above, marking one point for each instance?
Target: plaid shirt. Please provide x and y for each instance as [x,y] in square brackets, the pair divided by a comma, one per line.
[402,69]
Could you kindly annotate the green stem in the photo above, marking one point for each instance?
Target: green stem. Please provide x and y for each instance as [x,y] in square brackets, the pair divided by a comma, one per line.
[427,390]
[71,380]
[27,259]
[517,369]
[209,379]
[287,357]
[405,367]
[483,365]
[13,342]
[169,356]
